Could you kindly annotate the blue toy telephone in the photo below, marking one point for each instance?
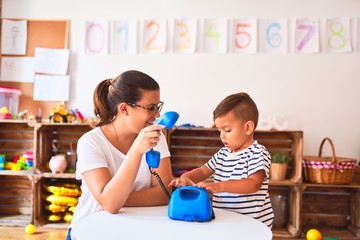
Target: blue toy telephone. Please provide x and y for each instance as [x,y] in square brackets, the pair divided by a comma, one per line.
[168,119]
[191,204]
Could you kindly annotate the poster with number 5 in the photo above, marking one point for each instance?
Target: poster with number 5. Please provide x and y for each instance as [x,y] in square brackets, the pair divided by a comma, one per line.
[245,35]
[307,35]
[337,35]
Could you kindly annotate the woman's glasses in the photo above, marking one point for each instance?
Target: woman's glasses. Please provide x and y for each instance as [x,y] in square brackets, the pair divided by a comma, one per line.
[153,109]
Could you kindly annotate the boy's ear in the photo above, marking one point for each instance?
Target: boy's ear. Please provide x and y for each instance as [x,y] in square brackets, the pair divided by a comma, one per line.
[249,127]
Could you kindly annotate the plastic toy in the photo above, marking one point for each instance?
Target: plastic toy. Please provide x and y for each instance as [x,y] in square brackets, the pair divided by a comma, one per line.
[30,229]
[168,119]
[58,163]
[191,204]
[60,114]
[313,234]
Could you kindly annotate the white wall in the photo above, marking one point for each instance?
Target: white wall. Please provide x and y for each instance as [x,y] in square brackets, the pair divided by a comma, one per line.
[317,93]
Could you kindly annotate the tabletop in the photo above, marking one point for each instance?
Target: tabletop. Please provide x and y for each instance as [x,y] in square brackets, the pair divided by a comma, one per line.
[154,223]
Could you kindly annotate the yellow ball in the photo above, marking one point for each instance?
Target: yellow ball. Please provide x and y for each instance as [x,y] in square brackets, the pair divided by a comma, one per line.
[30,229]
[313,234]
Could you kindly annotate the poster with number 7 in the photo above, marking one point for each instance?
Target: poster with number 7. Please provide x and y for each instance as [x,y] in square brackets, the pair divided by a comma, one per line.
[337,32]
[307,36]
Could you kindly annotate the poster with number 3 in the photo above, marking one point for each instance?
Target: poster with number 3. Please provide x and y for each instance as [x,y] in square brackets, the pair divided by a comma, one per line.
[337,35]
[307,35]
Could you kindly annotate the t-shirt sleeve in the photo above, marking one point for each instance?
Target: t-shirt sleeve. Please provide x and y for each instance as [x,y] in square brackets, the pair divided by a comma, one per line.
[90,154]
[259,161]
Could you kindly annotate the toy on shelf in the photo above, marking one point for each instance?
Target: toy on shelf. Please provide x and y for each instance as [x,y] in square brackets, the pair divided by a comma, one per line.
[24,162]
[62,201]
[61,115]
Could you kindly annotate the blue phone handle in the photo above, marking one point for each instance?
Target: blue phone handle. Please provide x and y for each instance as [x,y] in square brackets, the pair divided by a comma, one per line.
[168,119]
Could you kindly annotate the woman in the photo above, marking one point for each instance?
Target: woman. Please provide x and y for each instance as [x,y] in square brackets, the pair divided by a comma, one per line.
[111,157]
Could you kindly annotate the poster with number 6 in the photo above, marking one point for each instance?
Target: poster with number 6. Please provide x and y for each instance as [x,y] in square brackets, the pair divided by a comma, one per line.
[307,35]
[337,35]
[274,32]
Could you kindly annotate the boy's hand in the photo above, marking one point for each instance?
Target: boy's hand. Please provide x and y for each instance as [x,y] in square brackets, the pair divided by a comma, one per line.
[210,187]
[182,181]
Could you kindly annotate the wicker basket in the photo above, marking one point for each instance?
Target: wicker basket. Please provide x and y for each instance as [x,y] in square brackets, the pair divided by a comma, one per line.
[328,170]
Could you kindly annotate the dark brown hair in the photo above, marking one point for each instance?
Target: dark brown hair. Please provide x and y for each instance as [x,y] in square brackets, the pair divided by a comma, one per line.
[243,107]
[127,87]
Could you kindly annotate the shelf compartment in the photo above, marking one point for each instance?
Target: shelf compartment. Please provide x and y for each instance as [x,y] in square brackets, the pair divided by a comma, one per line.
[192,147]
[63,134]
[40,212]
[286,202]
[16,138]
[332,207]
[16,200]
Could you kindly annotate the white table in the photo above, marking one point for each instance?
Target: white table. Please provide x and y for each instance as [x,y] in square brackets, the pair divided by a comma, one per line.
[153,223]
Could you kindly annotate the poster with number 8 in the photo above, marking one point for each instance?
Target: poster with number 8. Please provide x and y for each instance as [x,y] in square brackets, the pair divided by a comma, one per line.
[307,35]
[337,32]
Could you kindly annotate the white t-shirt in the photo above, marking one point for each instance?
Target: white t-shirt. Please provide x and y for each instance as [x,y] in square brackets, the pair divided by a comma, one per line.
[95,151]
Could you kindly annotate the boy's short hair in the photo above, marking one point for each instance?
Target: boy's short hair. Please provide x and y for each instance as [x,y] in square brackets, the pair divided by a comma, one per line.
[243,107]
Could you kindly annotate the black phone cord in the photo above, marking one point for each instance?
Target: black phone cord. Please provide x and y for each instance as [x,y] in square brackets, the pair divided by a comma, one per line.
[158,178]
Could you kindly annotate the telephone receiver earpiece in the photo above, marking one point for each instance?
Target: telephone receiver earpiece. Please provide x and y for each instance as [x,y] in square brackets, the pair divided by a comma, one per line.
[168,119]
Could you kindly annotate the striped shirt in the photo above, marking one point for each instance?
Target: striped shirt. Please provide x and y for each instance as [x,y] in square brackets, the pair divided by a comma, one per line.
[229,165]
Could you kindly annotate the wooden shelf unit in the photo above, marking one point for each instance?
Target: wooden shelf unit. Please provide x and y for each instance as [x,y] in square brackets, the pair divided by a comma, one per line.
[304,204]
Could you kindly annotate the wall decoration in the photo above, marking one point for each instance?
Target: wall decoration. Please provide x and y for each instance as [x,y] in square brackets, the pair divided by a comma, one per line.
[155,36]
[96,39]
[307,35]
[337,35]
[245,35]
[17,69]
[215,36]
[274,36]
[185,35]
[13,37]
[124,37]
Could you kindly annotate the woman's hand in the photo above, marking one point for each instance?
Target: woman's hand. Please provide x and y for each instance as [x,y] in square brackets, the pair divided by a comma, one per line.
[147,138]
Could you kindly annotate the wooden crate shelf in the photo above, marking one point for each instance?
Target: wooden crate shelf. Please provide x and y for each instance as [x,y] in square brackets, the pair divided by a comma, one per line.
[16,138]
[63,134]
[16,200]
[40,212]
[307,205]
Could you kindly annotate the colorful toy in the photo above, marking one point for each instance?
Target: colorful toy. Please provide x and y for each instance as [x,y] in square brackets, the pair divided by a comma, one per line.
[313,234]
[30,229]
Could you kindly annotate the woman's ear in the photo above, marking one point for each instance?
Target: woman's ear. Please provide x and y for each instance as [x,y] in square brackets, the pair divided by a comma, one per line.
[123,108]
[249,127]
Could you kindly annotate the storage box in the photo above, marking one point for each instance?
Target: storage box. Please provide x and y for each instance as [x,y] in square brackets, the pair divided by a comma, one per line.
[9,102]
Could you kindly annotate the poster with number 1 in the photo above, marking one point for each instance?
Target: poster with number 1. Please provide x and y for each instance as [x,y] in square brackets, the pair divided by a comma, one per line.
[337,35]
[307,35]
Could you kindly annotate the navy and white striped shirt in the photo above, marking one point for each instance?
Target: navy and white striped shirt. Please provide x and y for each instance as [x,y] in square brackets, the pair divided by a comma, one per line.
[229,165]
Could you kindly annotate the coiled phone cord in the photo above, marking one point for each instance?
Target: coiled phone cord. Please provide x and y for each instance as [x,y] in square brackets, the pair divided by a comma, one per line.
[158,178]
